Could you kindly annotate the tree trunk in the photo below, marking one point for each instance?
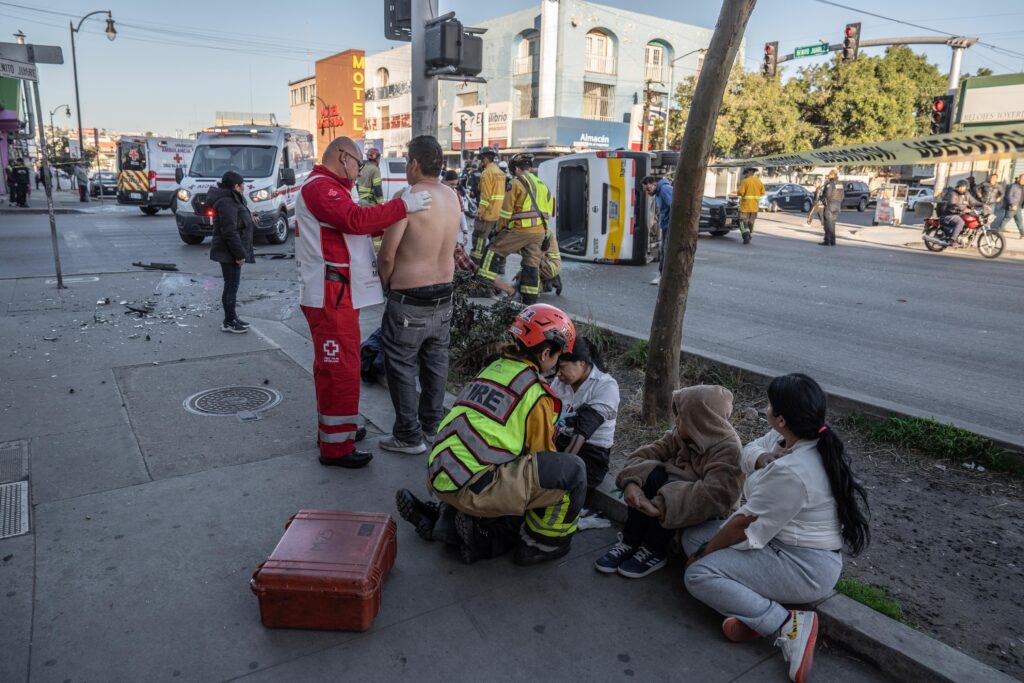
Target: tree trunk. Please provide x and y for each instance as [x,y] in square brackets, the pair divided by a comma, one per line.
[662,375]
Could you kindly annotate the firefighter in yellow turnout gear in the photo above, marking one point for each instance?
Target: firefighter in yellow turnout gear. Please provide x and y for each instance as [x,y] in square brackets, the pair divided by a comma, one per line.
[522,225]
[492,194]
[494,465]
[369,184]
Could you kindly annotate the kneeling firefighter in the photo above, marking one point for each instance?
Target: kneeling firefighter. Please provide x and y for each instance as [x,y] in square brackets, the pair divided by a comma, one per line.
[493,464]
[522,226]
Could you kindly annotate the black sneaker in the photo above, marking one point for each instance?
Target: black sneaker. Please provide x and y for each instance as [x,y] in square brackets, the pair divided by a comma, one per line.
[421,515]
[352,461]
[466,528]
[239,321]
[746,239]
[527,555]
[610,561]
[234,327]
[645,561]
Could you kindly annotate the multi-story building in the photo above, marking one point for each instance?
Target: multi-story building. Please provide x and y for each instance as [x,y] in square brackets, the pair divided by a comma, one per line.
[562,75]
[302,106]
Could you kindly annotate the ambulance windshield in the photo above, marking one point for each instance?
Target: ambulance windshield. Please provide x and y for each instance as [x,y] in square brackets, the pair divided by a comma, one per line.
[252,161]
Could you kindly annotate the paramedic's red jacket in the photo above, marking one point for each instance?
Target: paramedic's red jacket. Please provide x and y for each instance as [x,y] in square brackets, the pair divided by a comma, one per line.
[324,210]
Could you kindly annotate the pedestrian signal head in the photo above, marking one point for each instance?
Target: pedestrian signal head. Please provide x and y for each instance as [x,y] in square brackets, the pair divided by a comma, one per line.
[539,323]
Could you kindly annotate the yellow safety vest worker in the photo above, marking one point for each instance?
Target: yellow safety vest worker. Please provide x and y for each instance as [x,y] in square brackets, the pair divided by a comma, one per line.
[750,191]
[492,192]
[519,211]
[487,425]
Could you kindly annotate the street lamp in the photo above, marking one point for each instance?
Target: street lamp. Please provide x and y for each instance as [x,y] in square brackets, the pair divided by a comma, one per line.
[671,86]
[111,34]
[53,148]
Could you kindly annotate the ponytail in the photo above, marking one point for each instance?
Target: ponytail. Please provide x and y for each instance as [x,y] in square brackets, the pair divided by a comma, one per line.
[803,404]
[585,351]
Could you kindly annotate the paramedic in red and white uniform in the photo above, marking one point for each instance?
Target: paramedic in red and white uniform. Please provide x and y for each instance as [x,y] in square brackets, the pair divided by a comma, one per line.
[337,277]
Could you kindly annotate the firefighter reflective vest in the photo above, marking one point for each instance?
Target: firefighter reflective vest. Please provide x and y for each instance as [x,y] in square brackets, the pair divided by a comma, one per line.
[519,210]
[487,425]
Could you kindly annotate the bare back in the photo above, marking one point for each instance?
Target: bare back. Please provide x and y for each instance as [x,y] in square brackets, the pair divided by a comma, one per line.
[426,251]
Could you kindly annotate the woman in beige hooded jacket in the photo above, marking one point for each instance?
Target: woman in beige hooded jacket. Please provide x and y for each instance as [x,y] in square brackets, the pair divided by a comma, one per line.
[690,475]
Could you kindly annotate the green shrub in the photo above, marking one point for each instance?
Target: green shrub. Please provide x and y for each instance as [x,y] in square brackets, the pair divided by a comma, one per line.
[872,596]
[478,330]
[636,355]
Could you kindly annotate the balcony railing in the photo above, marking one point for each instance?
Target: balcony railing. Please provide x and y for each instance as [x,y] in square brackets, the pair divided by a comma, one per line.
[600,64]
[656,73]
[526,65]
[387,92]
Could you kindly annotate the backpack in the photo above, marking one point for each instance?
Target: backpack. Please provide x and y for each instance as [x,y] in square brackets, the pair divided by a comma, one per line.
[371,357]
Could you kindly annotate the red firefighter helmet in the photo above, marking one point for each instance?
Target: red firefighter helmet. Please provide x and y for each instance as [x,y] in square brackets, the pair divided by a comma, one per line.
[539,323]
[372,154]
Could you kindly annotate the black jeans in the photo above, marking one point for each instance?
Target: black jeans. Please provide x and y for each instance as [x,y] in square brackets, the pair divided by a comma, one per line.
[643,530]
[831,215]
[232,276]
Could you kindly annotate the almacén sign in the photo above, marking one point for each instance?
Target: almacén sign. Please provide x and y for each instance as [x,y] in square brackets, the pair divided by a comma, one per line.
[976,144]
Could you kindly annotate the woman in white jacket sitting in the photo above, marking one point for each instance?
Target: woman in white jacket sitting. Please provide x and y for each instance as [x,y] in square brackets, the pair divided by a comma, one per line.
[800,507]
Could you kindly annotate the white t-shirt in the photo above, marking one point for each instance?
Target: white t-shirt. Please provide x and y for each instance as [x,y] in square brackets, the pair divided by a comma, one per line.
[601,392]
[791,497]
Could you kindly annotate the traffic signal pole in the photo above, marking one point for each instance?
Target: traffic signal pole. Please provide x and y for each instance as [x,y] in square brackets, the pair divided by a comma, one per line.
[942,170]
[424,88]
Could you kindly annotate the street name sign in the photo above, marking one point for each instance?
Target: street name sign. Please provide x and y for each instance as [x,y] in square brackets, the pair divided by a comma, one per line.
[11,69]
[810,50]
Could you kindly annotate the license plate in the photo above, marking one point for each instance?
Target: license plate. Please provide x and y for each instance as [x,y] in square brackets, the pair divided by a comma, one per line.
[135,195]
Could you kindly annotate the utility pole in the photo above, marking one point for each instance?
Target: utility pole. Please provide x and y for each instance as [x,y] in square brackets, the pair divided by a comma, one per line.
[942,170]
[646,115]
[424,88]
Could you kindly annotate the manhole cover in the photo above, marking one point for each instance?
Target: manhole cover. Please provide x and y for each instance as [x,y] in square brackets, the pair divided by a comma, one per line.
[13,461]
[13,509]
[232,400]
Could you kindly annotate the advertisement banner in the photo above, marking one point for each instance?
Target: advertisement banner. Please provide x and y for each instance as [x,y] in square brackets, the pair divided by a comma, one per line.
[991,100]
[485,124]
[975,144]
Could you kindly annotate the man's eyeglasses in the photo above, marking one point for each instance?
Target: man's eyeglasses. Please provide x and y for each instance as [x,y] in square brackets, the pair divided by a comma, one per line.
[359,162]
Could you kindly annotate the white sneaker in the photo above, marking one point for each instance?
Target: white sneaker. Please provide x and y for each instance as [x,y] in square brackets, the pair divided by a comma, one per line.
[797,639]
[656,281]
[390,443]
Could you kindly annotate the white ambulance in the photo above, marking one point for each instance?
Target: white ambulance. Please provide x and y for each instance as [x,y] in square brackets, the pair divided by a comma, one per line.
[274,162]
[146,169]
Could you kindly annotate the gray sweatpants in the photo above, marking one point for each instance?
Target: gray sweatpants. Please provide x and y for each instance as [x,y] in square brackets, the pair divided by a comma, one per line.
[750,584]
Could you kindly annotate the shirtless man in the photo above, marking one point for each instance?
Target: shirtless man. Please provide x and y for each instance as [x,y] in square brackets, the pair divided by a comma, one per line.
[417,264]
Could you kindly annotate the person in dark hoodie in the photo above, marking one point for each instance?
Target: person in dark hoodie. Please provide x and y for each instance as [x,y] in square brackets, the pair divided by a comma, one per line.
[233,229]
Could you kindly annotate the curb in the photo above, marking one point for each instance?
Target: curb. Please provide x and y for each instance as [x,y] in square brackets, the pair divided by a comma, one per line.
[38,212]
[894,648]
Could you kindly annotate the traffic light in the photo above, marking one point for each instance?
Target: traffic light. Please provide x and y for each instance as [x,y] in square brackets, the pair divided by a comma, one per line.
[771,59]
[942,114]
[851,42]
[452,49]
[398,20]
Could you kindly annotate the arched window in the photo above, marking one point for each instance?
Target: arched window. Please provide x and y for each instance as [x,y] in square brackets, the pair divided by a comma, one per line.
[383,78]
[599,53]
[527,55]
[656,60]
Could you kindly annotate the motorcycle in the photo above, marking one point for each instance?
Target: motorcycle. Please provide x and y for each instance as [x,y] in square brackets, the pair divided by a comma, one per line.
[977,232]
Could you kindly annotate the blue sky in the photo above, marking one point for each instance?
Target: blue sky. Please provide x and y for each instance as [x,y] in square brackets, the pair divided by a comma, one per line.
[166,70]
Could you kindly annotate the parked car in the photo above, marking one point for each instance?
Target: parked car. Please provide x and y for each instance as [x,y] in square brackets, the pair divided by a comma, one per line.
[788,196]
[718,216]
[104,181]
[919,194]
[856,195]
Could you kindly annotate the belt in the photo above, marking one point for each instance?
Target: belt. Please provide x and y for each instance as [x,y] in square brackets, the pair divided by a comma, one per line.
[417,301]
[334,274]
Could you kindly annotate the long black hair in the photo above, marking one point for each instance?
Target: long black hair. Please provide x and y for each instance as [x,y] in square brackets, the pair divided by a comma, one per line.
[803,404]
[584,350]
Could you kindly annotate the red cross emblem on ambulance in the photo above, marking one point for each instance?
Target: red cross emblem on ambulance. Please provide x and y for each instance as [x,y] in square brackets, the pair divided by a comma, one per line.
[177,158]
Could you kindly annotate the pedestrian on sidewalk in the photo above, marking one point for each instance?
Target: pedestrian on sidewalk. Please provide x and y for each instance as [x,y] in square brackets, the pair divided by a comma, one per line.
[817,206]
[783,545]
[337,277]
[989,192]
[231,246]
[417,265]
[590,404]
[832,199]
[1013,204]
[20,179]
[493,465]
[689,476]
[751,190]
[82,179]
[661,190]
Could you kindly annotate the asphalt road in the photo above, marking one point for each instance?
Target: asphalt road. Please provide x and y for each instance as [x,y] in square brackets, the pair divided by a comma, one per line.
[936,333]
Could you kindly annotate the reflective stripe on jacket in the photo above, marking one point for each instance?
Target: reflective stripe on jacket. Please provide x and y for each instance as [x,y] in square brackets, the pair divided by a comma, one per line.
[518,210]
[369,184]
[750,191]
[487,425]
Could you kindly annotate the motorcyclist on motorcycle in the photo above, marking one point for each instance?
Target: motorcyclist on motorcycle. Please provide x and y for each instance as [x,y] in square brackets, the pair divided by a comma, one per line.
[957,202]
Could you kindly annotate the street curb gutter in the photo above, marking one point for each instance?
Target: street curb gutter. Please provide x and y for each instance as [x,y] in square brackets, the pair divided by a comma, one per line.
[842,400]
[894,648]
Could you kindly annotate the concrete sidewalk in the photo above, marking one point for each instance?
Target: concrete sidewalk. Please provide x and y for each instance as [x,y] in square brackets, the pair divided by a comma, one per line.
[147,522]
[64,201]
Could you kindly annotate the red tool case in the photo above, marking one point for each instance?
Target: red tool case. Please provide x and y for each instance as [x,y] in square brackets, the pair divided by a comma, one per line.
[327,571]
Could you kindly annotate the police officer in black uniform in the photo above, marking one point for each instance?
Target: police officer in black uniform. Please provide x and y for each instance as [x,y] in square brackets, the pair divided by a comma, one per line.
[20,179]
[832,197]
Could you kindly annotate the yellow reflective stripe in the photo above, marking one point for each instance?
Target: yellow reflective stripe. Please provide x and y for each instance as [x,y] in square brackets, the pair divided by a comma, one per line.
[376,180]
[551,521]
[484,202]
[751,196]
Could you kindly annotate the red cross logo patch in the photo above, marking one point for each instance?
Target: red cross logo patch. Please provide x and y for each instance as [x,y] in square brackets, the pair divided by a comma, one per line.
[331,349]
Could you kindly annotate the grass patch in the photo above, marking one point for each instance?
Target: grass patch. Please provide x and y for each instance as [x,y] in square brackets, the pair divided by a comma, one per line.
[930,437]
[636,355]
[872,596]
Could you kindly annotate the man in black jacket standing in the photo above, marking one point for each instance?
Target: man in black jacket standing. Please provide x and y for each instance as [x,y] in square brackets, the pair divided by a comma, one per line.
[832,197]
[1013,202]
[233,229]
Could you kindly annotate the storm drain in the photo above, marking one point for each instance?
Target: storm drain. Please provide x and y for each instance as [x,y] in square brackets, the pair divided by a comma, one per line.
[232,401]
[13,509]
[13,461]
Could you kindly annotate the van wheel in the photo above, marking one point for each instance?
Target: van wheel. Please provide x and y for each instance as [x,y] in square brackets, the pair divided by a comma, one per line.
[190,239]
[280,234]
[863,204]
[149,210]
[719,233]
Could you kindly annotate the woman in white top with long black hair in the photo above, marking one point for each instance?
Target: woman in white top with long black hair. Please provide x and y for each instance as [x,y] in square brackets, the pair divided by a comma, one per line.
[801,505]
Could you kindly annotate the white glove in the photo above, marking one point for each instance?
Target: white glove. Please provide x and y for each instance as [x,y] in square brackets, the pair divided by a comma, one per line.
[417,201]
